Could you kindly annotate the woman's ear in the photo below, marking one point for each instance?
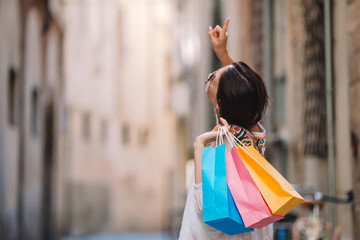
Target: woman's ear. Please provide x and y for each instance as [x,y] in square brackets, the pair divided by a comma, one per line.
[217,110]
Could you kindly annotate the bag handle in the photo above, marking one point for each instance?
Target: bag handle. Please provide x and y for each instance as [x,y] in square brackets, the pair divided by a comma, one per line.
[235,141]
[231,138]
[219,139]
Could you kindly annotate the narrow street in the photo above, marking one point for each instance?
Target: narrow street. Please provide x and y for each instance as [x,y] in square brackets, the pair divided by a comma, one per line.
[125,236]
[101,102]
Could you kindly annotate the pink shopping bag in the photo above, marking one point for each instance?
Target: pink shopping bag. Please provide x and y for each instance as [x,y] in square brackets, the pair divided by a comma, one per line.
[248,199]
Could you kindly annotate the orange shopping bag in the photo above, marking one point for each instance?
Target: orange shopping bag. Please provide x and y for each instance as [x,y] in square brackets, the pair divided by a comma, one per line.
[279,195]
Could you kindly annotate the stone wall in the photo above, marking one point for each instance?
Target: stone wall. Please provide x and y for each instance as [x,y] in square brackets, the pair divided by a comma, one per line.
[30,61]
[354,67]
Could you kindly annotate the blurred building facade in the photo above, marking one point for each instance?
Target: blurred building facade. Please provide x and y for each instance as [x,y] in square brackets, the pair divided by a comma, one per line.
[141,104]
[122,134]
[31,124]
[95,113]
[297,46]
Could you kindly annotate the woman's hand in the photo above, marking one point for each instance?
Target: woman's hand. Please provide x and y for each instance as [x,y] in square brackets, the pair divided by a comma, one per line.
[200,142]
[205,138]
[208,137]
[218,37]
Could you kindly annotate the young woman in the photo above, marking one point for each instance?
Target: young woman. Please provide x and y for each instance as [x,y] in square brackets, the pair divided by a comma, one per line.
[239,95]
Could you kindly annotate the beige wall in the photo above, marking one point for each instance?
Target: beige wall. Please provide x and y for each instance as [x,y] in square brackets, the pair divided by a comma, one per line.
[90,86]
[117,70]
[9,58]
[353,39]
[33,142]
[294,48]
[37,67]
[344,165]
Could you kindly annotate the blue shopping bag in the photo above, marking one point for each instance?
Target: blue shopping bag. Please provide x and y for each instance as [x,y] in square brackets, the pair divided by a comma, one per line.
[219,210]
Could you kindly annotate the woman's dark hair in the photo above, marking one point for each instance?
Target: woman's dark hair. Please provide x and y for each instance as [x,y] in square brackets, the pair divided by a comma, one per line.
[242,96]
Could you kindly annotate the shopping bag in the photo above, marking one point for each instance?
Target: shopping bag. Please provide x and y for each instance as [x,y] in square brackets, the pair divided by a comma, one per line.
[219,209]
[279,195]
[252,207]
[248,199]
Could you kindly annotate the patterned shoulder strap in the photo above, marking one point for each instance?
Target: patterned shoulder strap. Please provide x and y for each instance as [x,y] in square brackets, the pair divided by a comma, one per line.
[247,138]
[241,134]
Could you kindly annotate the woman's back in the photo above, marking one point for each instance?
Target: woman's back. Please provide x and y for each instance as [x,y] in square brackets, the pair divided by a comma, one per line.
[193,226]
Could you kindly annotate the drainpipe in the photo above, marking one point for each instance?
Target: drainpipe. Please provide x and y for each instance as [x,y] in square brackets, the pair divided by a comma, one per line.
[267,28]
[329,106]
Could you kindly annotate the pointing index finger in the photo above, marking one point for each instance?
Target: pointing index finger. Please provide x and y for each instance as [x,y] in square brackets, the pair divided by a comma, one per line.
[226,25]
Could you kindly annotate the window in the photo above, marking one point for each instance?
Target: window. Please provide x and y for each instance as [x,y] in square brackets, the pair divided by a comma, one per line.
[11,96]
[125,134]
[86,128]
[34,111]
[103,131]
[143,137]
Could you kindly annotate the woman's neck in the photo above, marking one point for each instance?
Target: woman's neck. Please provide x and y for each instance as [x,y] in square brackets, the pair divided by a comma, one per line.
[256,128]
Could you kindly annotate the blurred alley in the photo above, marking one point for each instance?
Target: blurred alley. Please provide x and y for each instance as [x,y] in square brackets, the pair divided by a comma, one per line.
[101,100]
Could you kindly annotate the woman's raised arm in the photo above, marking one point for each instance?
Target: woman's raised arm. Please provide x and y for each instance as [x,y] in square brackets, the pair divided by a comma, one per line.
[218,37]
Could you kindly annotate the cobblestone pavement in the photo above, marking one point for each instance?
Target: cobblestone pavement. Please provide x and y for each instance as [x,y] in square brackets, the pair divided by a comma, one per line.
[125,236]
